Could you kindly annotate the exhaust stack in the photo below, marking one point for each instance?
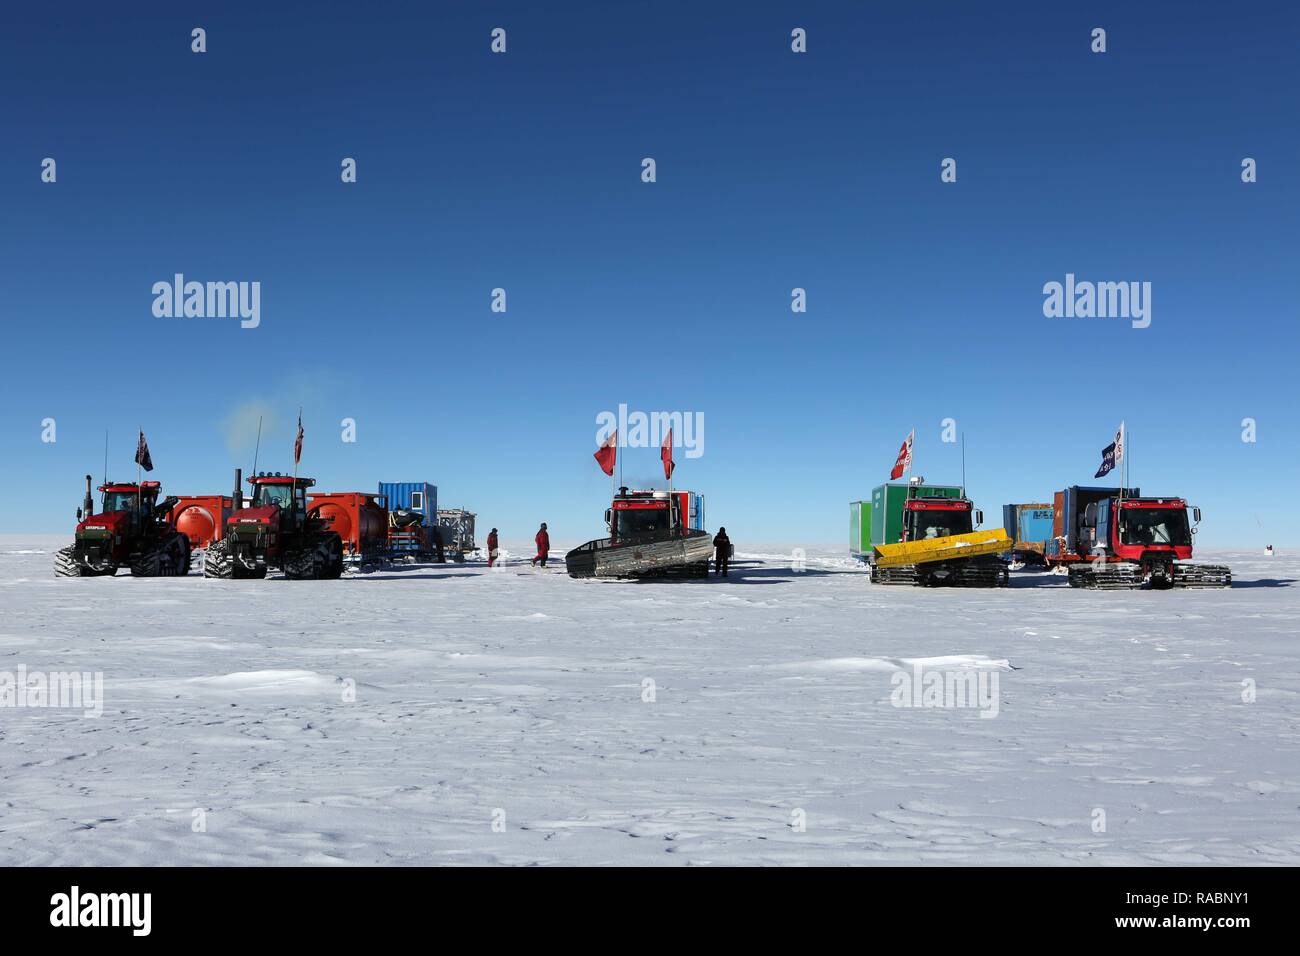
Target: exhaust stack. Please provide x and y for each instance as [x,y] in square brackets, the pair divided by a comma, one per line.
[239,489]
[88,503]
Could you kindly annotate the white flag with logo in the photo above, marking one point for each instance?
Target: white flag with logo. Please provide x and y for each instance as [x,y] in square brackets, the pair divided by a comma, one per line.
[1119,444]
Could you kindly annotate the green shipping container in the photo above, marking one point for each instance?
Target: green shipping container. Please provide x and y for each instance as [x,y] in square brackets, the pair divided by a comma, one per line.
[880,520]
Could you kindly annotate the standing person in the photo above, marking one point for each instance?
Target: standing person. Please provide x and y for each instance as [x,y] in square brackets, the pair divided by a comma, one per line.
[543,545]
[721,552]
[492,547]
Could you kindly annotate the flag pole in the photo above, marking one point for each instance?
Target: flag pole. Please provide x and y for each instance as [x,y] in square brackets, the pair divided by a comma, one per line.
[673,467]
[907,477]
[294,492]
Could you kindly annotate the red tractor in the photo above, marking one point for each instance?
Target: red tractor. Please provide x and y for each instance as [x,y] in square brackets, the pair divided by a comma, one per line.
[276,530]
[1113,538]
[132,529]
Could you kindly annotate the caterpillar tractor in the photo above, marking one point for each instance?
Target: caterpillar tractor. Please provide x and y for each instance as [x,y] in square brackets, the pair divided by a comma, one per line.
[1115,539]
[132,530]
[939,546]
[652,534]
[276,530]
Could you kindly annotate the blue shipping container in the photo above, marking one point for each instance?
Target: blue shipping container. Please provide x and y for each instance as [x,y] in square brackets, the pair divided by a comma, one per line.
[418,496]
[1028,523]
[1035,524]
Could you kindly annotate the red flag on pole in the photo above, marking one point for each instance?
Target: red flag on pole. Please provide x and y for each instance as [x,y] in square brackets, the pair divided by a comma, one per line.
[297,442]
[607,454]
[904,461]
[666,455]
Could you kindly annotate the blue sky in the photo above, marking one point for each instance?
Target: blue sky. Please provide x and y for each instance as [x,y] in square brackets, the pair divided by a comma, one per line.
[775,171]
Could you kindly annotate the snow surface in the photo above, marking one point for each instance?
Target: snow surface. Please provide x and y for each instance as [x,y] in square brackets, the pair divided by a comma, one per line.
[519,693]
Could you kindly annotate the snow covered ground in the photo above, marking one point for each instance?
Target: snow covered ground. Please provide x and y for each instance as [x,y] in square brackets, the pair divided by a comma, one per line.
[458,715]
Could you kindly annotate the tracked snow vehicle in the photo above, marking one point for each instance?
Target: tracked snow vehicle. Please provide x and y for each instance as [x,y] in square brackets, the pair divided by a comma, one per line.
[651,534]
[133,529]
[276,530]
[1115,539]
[939,546]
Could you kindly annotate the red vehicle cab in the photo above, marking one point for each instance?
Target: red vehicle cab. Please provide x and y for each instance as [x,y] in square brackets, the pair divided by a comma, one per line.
[937,518]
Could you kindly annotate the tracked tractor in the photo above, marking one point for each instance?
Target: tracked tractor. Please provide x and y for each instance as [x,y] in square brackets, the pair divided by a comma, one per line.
[276,530]
[938,545]
[1115,539]
[652,534]
[132,530]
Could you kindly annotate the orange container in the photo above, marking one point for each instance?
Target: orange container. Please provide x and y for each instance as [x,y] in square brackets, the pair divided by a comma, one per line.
[202,518]
[361,520]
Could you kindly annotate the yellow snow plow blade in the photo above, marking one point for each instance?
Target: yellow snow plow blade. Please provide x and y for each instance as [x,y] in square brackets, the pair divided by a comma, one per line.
[953,547]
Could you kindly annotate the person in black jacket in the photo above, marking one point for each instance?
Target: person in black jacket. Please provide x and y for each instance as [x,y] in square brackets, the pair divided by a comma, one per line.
[721,552]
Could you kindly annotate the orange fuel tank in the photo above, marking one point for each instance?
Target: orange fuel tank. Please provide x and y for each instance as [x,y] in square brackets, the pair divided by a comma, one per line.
[361,520]
[202,518]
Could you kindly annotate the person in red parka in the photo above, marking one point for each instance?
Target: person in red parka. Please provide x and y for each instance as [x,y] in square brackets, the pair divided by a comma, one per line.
[492,547]
[543,545]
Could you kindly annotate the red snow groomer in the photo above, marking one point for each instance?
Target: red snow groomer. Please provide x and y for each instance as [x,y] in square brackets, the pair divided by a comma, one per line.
[276,530]
[132,529]
[1114,538]
[651,534]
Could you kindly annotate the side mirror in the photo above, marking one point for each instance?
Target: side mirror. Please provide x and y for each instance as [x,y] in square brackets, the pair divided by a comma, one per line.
[607,517]
[1196,515]
[78,514]
[979,517]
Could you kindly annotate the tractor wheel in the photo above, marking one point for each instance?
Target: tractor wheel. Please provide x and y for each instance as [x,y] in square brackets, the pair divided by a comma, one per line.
[184,556]
[218,562]
[65,563]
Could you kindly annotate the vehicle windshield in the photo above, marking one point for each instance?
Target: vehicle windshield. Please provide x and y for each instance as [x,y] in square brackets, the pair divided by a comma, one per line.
[278,495]
[640,521]
[939,524]
[1155,526]
[119,501]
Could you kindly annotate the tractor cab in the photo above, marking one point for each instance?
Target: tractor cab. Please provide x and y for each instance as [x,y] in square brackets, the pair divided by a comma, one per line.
[276,498]
[937,517]
[125,506]
[1155,522]
[129,496]
[280,491]
[636,514]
